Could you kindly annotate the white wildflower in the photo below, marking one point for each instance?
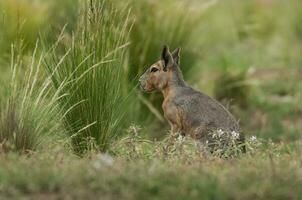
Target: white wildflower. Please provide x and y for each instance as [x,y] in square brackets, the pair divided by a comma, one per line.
[220,132]
[235,135]
[253,138]
[180,138]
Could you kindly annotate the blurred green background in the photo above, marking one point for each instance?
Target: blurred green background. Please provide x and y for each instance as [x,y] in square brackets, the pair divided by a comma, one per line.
[247,54]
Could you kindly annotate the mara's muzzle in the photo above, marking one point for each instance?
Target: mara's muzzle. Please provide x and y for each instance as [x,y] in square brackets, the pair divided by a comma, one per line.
[142,83]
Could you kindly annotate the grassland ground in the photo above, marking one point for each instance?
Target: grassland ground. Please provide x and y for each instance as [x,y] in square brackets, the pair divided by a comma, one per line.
[272,171]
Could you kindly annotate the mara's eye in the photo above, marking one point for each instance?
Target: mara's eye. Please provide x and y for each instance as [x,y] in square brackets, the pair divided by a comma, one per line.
[154,69]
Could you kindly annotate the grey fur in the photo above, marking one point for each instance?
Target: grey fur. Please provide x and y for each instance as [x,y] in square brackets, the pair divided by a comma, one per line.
[189,111]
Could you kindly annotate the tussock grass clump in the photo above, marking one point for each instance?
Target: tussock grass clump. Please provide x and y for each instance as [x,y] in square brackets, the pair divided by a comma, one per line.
[90,66]
[29,115]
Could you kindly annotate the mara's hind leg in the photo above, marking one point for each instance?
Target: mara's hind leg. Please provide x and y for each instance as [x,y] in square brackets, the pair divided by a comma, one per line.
[202,134]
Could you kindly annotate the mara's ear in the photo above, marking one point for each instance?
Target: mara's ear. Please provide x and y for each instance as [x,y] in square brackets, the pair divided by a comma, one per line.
[176,55]
[166,57]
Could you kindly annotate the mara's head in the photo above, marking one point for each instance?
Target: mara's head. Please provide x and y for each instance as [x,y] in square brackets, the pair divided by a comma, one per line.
[158,75]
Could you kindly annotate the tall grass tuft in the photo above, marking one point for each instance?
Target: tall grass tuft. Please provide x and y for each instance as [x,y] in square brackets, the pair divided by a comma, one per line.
[29,115]
[90,62]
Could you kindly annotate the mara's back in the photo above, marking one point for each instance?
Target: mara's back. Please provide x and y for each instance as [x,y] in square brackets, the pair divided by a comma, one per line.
[199,109]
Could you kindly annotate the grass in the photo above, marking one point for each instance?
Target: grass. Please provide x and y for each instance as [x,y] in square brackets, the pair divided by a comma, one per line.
[18,21]
[232,88]
[174,29]
[29,116]
[14,19]
[89,69]
[273,172]
[74,126]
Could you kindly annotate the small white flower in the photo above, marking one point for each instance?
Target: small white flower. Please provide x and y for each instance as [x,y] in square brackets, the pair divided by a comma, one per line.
[180,138]
[235,135]
[253,138]
[220,132]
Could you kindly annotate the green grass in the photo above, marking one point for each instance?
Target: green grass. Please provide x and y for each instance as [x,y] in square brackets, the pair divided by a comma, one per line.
[88,65]
[26,20]
[73,124]
[273,172]
[30,118]
[156,24]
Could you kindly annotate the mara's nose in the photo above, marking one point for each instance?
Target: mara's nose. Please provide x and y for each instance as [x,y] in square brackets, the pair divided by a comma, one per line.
[141,83]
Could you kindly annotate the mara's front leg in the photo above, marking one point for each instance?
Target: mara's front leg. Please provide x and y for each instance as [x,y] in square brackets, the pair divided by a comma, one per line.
[174,118]
[173,115]
[175,131]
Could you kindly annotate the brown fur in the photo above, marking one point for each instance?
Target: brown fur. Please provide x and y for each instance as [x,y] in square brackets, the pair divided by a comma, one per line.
[188,111]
